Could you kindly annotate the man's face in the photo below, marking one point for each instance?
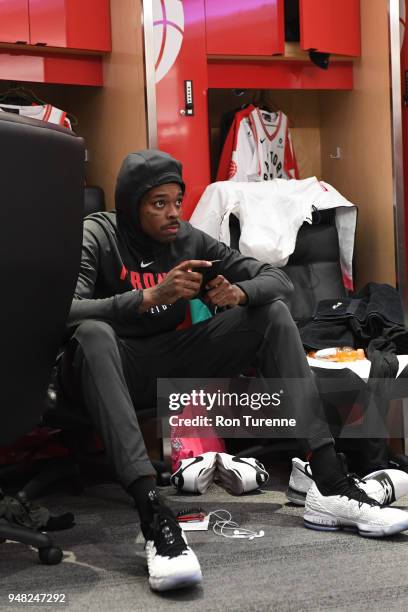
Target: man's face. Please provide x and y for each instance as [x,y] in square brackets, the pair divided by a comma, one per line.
[160,210]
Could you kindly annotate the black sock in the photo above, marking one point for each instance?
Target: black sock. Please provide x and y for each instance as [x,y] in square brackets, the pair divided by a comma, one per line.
[328,471]
[139,490]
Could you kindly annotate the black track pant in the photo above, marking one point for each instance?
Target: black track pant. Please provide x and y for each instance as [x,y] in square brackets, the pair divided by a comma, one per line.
[115,375]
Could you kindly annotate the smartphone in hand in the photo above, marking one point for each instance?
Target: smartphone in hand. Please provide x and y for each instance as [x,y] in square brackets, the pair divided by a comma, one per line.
[205,269]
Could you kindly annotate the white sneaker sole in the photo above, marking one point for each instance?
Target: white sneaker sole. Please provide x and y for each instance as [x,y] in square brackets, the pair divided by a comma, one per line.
[324,522]
[296,497]
[181,581]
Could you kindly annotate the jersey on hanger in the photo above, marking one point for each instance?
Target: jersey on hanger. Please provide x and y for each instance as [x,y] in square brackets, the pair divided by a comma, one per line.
[238,150]
[45,112]
[274,157]
[258,148]
[242,159]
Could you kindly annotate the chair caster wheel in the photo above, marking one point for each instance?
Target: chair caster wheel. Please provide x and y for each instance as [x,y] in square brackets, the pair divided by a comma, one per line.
[50,556]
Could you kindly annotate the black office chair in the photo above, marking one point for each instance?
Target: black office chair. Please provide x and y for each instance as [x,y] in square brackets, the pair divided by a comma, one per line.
[75,429]
[57,415]
[42,179]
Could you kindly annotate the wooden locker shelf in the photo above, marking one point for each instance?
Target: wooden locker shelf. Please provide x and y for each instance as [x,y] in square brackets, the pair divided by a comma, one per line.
[43,49]
[293,52]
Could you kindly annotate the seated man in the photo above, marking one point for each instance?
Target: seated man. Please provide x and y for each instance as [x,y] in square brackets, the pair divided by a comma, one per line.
[138,271]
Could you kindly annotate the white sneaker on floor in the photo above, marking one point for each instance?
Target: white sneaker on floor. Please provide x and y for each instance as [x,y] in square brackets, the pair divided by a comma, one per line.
[353,510]
[240,474]
[391,485]
[385,486]
[300,481]
[171,562]
[195,475]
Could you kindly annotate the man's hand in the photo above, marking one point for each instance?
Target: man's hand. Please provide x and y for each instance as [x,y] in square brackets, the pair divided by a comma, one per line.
[180,282]
[222,293]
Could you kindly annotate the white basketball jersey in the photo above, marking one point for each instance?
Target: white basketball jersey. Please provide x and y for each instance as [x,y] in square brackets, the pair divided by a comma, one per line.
[274,157]
[242,159]
[47,112]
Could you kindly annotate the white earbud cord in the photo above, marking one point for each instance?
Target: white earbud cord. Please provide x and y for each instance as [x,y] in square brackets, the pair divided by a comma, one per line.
[224,525]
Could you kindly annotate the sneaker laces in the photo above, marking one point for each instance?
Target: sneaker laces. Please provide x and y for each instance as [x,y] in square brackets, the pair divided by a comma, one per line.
[166,532]
[167,536]
[352,491]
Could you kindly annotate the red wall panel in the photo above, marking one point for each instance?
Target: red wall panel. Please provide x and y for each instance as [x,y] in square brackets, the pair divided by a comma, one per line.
[278,75]
[74,70]
[184,137]
[239,27]
[331,26]
[14,21]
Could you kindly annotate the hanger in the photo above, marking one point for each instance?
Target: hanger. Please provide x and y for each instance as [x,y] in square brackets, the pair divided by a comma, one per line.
[20,95]
[267,106]
[23,96]
[239,93]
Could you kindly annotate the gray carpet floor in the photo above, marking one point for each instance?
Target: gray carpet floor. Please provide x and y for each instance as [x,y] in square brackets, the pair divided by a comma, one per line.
[290,568]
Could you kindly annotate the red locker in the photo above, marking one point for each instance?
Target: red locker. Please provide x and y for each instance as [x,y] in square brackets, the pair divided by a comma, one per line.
[47,23]
[14,26]
[239,27]
[69,70]
[88,25]
[72,24]
[331,26]
[404,96]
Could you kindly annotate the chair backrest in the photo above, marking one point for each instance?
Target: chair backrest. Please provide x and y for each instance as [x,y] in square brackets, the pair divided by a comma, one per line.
[94,200]
[314,266]
[41,208]
[314,269]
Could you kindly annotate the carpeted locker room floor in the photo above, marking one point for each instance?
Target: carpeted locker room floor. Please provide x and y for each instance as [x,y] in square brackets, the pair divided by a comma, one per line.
[290,568]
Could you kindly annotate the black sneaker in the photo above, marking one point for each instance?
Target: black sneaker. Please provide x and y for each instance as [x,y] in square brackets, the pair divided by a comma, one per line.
[171,562]
[398,461]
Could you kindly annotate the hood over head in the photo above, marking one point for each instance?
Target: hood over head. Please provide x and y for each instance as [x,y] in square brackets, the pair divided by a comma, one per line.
[140,172]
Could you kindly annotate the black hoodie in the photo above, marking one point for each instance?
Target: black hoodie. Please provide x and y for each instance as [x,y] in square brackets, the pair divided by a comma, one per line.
[119,260]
